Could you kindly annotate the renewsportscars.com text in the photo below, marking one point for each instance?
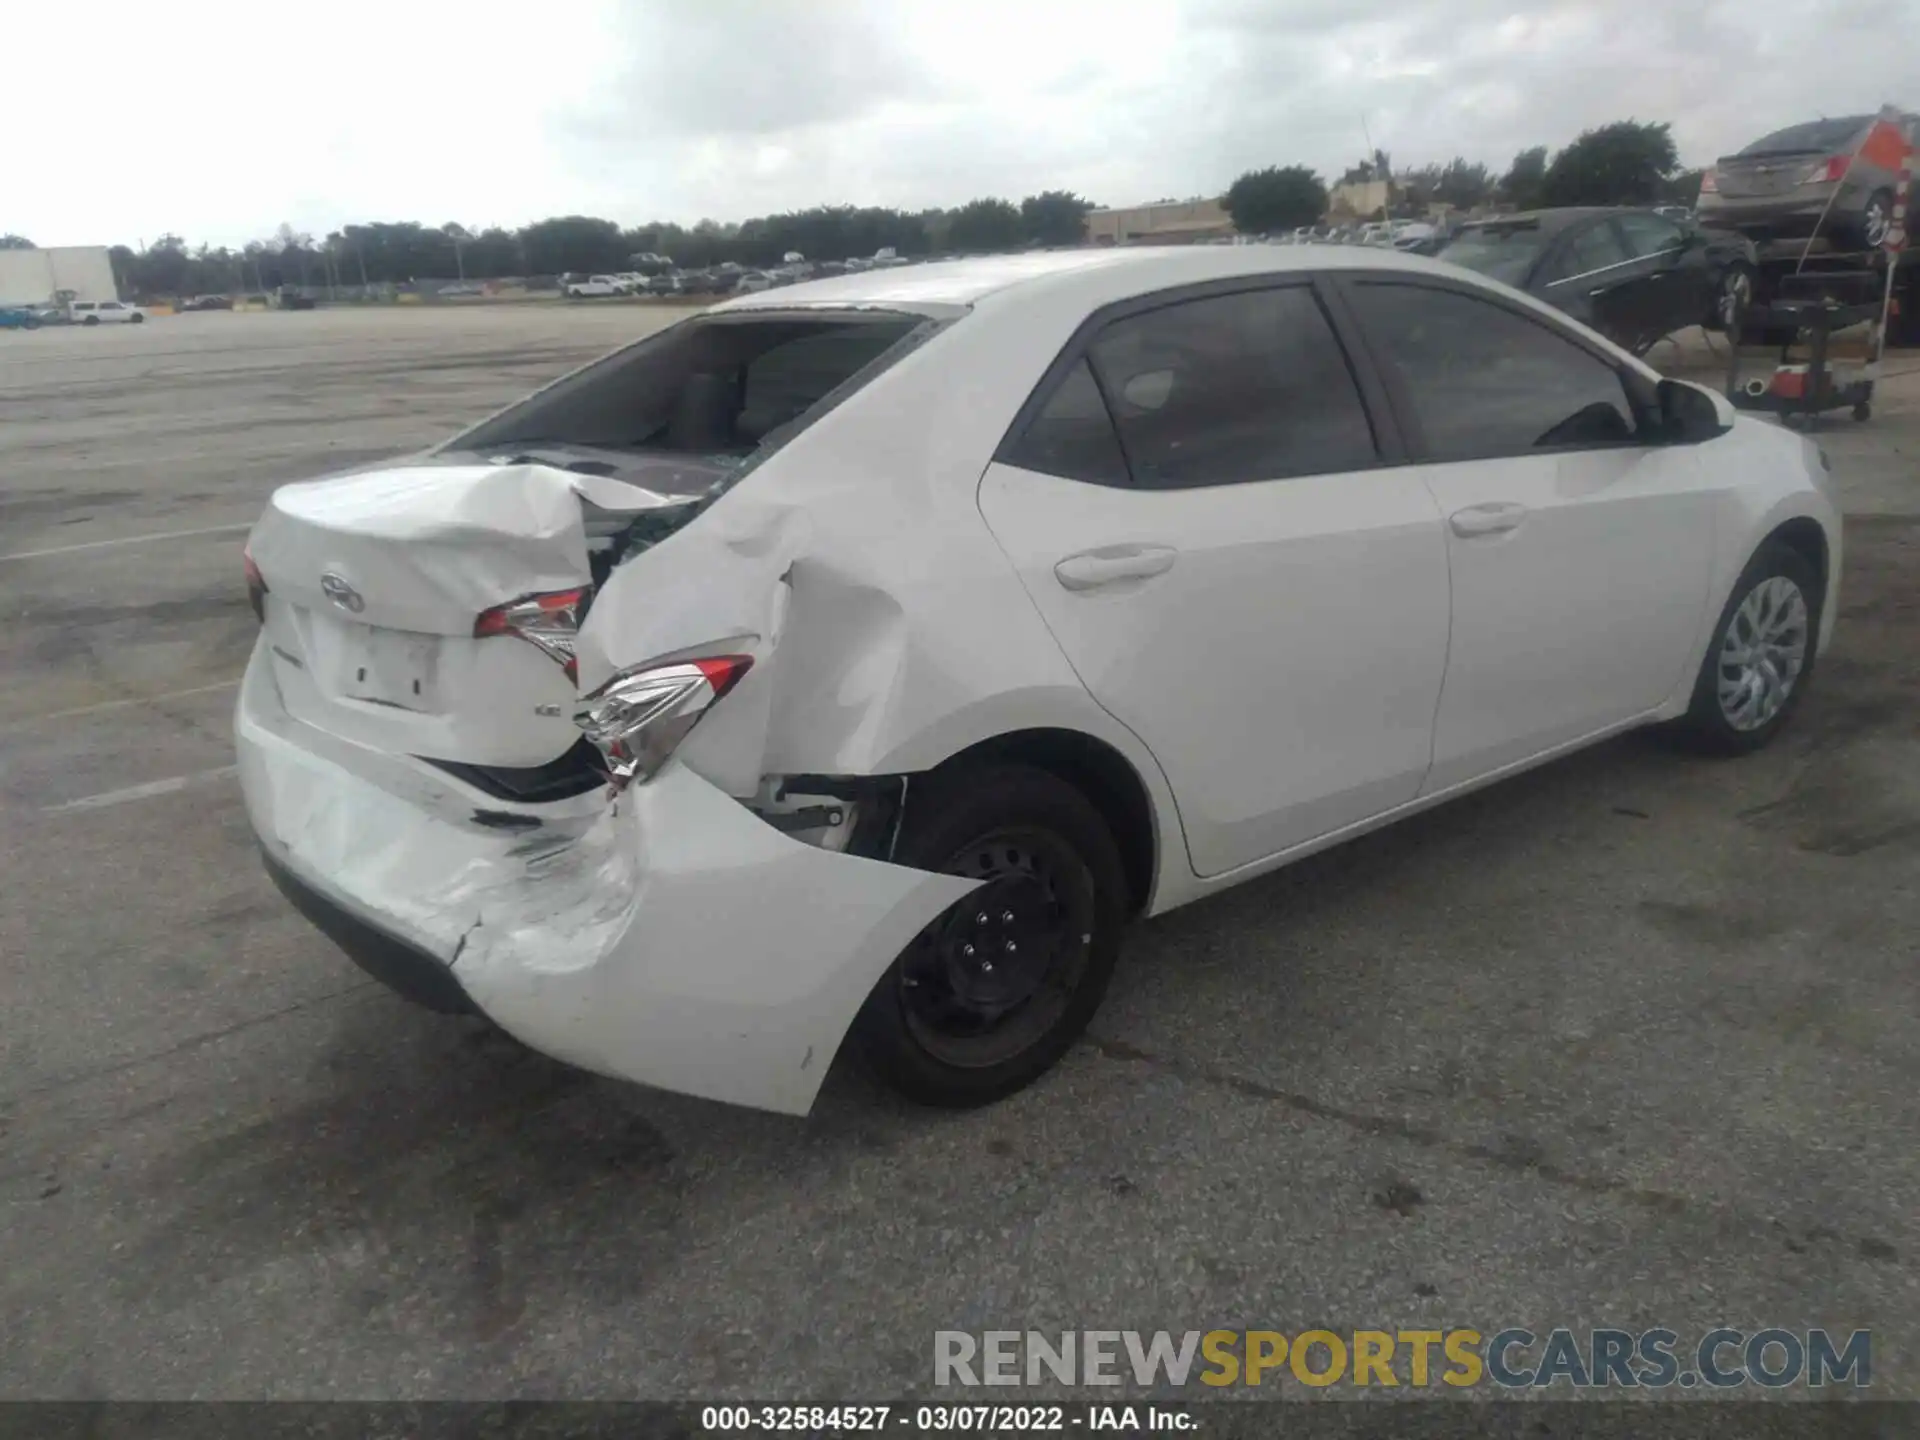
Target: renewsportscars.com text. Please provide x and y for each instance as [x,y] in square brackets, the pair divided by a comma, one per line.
[1511,1359]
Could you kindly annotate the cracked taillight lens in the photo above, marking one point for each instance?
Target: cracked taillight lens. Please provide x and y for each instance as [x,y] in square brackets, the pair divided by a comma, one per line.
[256,587]
[551,621]
[637,718]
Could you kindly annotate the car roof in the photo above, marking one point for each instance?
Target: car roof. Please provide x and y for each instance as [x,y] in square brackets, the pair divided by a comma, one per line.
[1104,274]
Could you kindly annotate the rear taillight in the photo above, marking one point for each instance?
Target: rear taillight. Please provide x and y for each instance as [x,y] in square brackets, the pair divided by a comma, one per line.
[550,621]
[1834,167]
[1709,183]
[256,587]
[637,718]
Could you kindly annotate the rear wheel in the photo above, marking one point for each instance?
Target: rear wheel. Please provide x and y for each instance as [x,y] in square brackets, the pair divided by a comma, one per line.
[137,319]
[993,992]
[91,320]
[1761,655]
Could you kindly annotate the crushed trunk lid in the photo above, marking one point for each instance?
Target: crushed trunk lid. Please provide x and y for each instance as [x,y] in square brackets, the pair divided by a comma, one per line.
[375,583]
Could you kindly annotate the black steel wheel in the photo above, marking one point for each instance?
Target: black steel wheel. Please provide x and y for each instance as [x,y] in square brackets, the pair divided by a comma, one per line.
[990,994]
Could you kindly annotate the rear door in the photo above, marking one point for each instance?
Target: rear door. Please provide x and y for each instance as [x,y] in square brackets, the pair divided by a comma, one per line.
[1676,283]
[1593,278]
[1205,512]
[1579,551]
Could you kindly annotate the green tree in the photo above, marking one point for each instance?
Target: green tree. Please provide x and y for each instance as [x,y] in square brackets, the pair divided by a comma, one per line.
[1681,189]
[986,224]
[573,243]
[16,242]
[1463,183]
[1055,217]
[1625,163]
[1524,184]
[1276,198]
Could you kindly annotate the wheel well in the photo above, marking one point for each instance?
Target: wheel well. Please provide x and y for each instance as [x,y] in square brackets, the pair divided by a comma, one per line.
[1099,772]
[1806,539]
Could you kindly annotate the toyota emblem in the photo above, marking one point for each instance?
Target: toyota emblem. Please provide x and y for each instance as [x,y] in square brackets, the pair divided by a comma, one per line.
[336,589]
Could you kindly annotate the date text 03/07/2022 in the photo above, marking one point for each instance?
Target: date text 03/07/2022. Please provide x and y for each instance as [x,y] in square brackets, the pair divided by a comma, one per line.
[942,1418]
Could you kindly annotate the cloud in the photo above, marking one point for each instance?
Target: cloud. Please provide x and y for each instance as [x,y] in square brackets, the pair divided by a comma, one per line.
[641,109]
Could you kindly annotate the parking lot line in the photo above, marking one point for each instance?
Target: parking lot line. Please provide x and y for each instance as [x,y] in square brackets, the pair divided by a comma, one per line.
[80,710]
[141,792]
[126,540]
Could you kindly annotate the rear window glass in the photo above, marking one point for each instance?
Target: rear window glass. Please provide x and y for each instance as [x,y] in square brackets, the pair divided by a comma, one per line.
[1500,252]
[716,388]
[1813,135]
[1073,437]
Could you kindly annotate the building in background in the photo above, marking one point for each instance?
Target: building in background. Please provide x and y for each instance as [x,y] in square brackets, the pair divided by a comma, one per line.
[1358,199]
[1174,222]
[36,277]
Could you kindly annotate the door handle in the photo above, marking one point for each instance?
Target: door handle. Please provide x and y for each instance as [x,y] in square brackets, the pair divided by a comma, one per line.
[1495,518]
[1110,564]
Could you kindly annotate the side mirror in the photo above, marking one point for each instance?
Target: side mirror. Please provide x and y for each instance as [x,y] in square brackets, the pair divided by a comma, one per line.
[1689,414]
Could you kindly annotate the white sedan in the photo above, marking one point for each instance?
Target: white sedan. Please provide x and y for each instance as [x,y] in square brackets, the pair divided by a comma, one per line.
[845,666]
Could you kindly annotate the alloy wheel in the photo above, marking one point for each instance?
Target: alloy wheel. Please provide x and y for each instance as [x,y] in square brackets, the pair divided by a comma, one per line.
[1763,653]
[1875,221]
[1736,294]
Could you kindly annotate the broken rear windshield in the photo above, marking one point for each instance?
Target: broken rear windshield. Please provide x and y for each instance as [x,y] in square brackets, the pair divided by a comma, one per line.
[718,387]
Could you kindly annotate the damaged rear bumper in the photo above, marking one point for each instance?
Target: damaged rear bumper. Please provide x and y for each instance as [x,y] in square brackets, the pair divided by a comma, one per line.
[408,972]
[670,937]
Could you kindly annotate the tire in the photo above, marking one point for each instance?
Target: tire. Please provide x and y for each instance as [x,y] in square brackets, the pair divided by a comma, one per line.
[1875,217]
[91,320]
[1733,299]
[946,1026]
[1732,725]
[136,319]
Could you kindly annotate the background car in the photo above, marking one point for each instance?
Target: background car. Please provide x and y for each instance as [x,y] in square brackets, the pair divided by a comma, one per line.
[1785,184]
[1411,234]
[18,317]
[1634,276]
[591,287]
[106,312]
[207,302]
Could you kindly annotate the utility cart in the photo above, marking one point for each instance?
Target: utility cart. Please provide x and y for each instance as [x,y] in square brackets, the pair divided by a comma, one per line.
[1807,379]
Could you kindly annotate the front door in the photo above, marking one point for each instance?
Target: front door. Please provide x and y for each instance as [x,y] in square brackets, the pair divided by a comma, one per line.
[1580,553]
[1201,515]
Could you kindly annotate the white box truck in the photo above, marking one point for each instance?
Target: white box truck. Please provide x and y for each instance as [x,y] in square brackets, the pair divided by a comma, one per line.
[36,277]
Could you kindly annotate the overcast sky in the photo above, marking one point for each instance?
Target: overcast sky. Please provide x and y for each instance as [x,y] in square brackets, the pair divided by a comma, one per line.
[208,119]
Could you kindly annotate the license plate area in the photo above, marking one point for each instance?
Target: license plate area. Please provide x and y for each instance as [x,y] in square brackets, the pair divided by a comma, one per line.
[397,668]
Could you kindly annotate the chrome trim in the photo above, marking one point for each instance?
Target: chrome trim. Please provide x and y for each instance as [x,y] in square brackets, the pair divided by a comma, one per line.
[1617,265]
